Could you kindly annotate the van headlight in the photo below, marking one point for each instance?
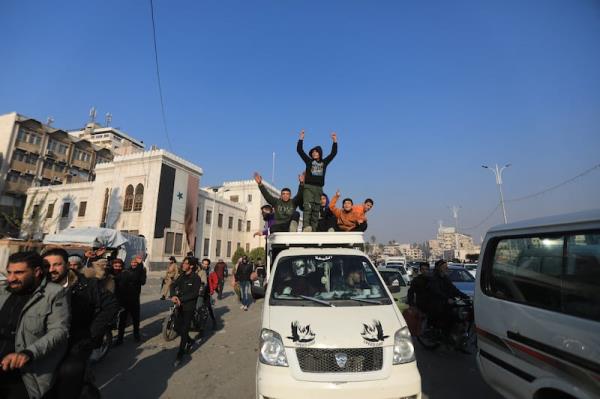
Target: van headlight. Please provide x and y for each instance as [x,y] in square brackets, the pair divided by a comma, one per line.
[404,351]
[272,351]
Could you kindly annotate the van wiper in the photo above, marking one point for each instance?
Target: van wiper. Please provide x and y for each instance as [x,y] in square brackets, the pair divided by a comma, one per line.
[366,300]
[322,302]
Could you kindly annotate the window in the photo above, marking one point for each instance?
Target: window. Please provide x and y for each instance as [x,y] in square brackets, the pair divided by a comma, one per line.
[239,245]
[218,248]
[169,241]
[83,156]
[220,220]
[208,216]
[82,208]
[178,243]
[247,247]
[50,211]
[239,224]
[230,223]
[57,147]
[234,198]
[229,249]
[557,273]
[36,212]
[65,210]
[29,137]
[206,245]
[128,204]
[248,225]
[138,199]
[249,197]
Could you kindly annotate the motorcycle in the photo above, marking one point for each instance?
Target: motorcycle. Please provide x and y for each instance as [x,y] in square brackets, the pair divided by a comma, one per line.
[169,329]
[461,335]
[100,352]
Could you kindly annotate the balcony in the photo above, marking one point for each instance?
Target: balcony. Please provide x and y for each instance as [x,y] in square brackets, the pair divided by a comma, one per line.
[81,164]
[51,174]
[23,167]
[56,156]
[17,187]
[35,148]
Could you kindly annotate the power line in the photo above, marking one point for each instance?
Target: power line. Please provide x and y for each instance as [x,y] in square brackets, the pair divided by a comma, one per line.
[488,217]
[160,93]
[554,187]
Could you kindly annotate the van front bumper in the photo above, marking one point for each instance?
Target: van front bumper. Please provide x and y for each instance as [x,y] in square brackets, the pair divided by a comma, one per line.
[278,383]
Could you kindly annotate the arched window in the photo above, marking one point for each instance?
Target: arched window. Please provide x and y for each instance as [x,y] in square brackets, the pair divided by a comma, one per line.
[138,200]
[128,205]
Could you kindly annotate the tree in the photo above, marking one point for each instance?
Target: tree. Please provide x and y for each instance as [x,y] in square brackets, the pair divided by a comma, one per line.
[256,254]
[473,258]
[238,254]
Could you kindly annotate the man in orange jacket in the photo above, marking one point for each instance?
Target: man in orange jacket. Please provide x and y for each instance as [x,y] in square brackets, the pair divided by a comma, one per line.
[347,219]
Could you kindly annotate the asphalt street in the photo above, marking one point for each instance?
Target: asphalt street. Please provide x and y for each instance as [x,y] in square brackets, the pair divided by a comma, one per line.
[223,364]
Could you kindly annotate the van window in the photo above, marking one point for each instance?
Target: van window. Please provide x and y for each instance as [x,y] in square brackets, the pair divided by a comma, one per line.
[558,273]
[581,285]
[344,280]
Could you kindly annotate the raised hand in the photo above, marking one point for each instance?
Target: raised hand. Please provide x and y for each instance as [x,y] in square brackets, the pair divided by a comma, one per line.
[334,137]
[257,178]
[337,193]
[302,134]
[301,177]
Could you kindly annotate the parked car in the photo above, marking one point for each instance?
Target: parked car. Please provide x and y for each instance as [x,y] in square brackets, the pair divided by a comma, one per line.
[471,268]
[462,279]
[400,268]
[538,307]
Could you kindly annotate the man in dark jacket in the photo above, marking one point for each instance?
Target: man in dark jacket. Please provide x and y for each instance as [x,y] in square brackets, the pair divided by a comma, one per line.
[184,294]
[327,220]
[417,293]
[286,217]
[442,293]
[92,311]
[242,275]
[314,179]
[31,347]
[128,287]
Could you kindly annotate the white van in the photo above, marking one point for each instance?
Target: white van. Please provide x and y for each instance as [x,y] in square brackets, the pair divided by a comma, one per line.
[537,308]
[330,327]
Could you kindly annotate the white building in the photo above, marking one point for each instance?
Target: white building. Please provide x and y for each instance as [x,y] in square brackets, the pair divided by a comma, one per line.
[111,138]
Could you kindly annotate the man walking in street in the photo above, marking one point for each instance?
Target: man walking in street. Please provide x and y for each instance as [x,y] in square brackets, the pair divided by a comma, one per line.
[220,271]
[31,347]
[204,273]
[184,294]
[128,288]
[170,277]
[314,180]
[92,311]
[242,275]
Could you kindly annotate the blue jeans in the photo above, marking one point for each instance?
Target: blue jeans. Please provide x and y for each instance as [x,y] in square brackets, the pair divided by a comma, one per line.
[245,292]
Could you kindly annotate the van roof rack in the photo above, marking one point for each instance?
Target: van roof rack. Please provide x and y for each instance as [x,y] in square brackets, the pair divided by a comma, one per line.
[305,239]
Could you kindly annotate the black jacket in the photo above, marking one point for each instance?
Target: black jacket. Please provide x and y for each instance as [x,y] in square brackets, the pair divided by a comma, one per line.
[128,284]
[315,170]
[441,289]
[187,289]
[327,219]
[93,309]
[284,210]
[243,271]
[417,293]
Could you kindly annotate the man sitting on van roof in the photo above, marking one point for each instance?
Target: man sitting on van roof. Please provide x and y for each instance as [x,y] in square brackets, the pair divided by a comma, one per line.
[347,220]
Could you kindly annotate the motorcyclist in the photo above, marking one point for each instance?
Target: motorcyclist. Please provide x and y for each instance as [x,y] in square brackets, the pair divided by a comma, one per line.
[442,294]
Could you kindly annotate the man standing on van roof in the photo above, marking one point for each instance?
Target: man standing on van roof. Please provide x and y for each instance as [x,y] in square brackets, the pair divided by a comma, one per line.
[286,217]
[314,181]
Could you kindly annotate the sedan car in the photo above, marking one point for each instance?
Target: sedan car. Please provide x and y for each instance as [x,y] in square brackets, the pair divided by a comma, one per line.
[399,267]
[462,279]
[471,268]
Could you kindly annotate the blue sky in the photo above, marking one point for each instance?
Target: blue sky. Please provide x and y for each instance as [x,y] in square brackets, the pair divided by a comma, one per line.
[421,95]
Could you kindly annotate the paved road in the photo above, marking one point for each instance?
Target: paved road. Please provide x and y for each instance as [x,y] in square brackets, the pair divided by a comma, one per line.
[223,365]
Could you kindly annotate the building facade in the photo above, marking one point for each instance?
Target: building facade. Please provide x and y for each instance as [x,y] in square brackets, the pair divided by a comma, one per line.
[35,154]
[113,139]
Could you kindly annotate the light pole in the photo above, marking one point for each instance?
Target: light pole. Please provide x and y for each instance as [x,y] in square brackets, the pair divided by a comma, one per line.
[498,173]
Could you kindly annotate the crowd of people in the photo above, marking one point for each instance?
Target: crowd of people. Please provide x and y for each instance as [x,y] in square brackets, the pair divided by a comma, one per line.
[319,213]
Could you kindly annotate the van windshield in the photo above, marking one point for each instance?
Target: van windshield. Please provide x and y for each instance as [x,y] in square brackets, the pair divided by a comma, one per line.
[338,279]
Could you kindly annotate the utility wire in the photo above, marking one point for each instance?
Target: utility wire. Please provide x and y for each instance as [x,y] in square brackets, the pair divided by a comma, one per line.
[484,220]
[160,93]
[551,188]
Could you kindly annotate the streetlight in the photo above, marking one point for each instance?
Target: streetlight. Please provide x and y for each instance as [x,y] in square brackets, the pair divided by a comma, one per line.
[212,217]
[498,173]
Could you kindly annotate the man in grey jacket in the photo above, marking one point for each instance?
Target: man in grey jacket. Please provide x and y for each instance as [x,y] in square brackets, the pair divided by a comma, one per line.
[34,326]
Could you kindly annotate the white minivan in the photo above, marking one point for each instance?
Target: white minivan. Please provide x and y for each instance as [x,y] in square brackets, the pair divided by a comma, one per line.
[537,307]
[330,327]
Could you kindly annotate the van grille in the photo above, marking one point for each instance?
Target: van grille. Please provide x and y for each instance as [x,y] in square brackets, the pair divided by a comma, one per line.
[324,360]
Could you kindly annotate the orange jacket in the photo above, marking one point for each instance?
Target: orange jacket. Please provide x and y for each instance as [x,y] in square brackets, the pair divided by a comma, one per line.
[346,221]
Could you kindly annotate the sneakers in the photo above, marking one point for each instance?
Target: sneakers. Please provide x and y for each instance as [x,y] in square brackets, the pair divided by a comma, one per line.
[245,308]
[242,307]
[307,229]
